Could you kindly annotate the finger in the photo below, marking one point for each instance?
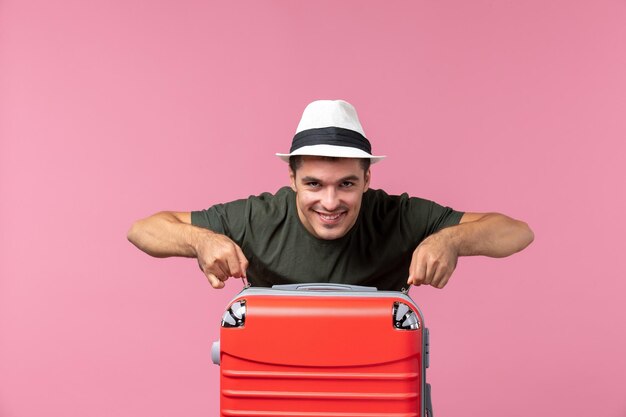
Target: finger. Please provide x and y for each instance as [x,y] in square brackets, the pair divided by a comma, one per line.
[442,283]
[232,262]
[243,261]
[445,280]
[220,270]
[214,281]
[213,268]
[439,275]
[418,271]
[429,273]
[447,272]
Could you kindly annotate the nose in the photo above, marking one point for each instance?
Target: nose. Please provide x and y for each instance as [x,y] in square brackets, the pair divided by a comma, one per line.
[330,201]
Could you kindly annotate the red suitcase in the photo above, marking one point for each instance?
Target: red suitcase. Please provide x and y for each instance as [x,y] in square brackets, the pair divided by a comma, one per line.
[323,350]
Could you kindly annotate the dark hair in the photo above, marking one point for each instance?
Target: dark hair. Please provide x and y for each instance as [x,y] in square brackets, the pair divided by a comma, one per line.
[295,162]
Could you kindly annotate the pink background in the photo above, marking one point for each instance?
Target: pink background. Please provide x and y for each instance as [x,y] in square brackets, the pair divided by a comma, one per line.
[113,110]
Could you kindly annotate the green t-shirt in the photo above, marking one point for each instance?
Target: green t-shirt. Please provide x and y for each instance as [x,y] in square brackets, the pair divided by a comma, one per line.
[376,252]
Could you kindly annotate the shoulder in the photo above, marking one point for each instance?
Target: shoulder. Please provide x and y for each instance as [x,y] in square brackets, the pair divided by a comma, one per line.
[414,212]
[269,207]
[283,193]
[245,207]
[282,197]
[381,200]
[266,199]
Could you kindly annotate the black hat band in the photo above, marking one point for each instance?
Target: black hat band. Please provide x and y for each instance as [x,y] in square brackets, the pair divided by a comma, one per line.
[336,136]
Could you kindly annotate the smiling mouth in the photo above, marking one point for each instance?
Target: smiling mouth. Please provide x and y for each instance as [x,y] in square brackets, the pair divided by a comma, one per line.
[331,218]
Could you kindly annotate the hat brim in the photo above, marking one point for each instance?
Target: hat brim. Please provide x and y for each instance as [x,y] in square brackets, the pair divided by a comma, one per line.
[331,151]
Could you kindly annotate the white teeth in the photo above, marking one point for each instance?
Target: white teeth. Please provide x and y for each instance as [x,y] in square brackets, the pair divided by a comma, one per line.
[330,217]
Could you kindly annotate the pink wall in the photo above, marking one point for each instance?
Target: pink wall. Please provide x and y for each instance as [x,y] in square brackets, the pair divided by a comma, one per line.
[112,110]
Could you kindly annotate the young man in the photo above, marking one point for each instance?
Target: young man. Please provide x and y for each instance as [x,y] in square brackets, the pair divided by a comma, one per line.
[329,226]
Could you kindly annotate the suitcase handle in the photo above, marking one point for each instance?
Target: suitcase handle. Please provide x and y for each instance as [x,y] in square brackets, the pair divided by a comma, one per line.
[323,287]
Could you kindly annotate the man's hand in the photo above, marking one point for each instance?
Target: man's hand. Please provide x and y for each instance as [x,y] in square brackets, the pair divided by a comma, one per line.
[488,234]
[220,258]
[169,233]
[433,261]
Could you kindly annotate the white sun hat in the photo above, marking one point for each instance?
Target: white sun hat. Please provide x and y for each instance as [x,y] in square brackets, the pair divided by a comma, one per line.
[330,128]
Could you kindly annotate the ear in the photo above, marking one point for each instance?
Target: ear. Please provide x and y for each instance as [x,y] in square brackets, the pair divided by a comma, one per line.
[292,179]
[368,175]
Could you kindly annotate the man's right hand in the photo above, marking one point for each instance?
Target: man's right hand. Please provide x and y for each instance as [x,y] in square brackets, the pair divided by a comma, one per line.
[220,258]
[169,233]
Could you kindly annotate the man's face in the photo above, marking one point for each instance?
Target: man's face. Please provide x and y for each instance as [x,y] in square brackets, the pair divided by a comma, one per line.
[329,194]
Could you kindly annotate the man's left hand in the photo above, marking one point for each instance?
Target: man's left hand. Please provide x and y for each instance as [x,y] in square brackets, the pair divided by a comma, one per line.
[433,261]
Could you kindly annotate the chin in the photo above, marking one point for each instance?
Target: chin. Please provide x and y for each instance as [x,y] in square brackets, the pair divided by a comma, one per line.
[326,234]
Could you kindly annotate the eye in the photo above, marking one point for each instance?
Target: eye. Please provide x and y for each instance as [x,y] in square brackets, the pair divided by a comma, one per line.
[347,184]
[312,184]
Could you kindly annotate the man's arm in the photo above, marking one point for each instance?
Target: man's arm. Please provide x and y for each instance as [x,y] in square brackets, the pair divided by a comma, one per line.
[488,234]
[169,233]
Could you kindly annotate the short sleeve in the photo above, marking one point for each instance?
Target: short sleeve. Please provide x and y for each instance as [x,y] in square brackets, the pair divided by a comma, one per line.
[251,219]
[228,219]
[407,220]
[432,216]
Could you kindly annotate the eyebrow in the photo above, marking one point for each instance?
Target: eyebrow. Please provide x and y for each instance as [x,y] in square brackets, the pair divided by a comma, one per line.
[313,179]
